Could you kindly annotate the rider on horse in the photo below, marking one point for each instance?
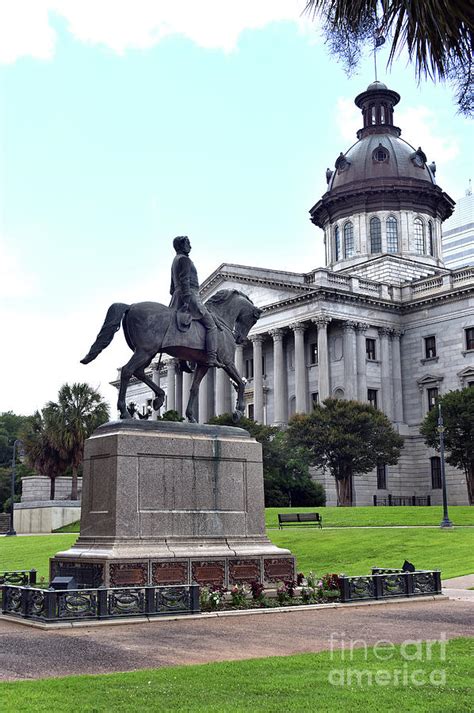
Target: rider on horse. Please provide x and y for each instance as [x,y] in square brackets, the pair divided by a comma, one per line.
[185,296]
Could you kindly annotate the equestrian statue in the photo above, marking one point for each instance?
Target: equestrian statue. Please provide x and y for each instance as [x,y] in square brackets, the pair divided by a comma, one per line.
[203,334]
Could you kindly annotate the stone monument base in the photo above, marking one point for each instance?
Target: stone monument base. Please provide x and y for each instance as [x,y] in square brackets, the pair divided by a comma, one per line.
[171,503]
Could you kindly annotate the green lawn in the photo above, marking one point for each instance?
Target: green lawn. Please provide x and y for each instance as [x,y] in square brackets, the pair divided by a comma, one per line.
[342,550]
[292,683]
[32,551]
[356,551]
[379,516]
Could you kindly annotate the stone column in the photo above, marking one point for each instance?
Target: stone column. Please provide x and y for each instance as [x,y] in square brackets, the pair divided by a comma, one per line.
[257,340]
[350,361]
[221,391]
[170,397]
[206,397]
[179,392]
[187,381]
[397,378]
[361,328]
[301,391]
[386,381]
[239,358]
[323,356]
[279,379]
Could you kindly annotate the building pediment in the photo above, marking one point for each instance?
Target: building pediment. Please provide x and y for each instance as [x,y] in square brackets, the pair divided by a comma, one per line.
[429,380]
[263,286]
[465,376]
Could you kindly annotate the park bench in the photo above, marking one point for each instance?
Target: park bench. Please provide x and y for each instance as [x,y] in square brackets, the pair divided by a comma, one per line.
[299,518]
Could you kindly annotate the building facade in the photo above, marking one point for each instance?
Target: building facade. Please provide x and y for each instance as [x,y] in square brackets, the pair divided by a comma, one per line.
[384,322]
[458,234]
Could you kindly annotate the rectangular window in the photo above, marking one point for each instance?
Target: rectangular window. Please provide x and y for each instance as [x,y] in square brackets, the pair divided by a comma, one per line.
[432,396]
[430,347]
[435,472]
[249,368]
[372,397]
[263,364]
[370,349]
[250,411]
[314,399]
[313,353]
[469,338]
[381,476]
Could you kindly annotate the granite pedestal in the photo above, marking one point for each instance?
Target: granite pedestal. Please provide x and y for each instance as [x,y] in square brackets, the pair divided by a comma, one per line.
[172,503]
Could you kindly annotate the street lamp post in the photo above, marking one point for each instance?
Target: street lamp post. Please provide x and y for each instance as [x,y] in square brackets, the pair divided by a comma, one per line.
[446,522]
[17,443]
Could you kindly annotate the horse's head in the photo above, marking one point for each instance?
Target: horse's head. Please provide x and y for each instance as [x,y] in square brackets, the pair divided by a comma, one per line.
[247,317]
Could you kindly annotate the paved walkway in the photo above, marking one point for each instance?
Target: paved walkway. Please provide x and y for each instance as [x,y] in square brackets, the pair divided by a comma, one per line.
[459,588]
[32,653]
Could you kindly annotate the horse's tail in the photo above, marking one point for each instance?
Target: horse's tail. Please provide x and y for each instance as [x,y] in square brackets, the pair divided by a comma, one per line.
[111,325]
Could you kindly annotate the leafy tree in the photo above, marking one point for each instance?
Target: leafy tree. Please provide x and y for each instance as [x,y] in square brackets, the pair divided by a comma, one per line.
[71,419]
[40,450]
[11,425]
[438,36]
[347,438]
[458,417]
[285,471]
[170,415]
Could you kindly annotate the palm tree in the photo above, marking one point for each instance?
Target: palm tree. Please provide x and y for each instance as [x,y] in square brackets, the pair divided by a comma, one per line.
[78,411]
[438,34]
[40,452]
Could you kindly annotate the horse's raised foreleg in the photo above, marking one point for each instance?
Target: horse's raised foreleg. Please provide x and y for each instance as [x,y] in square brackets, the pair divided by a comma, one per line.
[159,399]
[139,360]
[199,374]
[239,384]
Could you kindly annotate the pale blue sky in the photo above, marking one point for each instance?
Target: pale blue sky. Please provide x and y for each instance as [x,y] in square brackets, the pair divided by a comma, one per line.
[114,141]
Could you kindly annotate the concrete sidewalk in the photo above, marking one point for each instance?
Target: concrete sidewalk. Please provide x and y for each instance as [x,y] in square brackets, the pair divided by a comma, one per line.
[27,653]
[459,588]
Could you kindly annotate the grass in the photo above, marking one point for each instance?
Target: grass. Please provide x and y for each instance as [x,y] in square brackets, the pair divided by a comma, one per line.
[356,551]
[71,527]
[292,683]
[379,516]
[339,550]
[32,551]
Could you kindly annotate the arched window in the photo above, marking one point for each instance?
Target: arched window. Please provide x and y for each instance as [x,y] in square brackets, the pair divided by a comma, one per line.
[430,238]
[392,235]
[375,236]
[337,243]
[419,236]
[348,240]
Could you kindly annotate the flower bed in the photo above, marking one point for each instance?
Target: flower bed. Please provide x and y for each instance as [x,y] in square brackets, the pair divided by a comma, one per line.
[305,590]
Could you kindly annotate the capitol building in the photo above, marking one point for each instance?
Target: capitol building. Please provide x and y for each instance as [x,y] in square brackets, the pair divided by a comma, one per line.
[384,322]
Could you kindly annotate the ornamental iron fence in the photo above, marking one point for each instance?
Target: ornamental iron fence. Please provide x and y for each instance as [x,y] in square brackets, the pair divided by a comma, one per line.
[388,583]
[403,500]
[49,605]
[19,576]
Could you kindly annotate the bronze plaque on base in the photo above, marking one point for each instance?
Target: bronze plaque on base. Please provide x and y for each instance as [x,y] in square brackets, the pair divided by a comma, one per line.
[128,574]
[208,572]
[241,571]
[169,573]
[281,569]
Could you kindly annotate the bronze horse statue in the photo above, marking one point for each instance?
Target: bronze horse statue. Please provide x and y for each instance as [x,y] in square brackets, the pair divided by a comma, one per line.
[151,328]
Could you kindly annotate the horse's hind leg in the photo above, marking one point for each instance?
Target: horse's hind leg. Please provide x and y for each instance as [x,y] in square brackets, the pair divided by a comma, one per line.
[139,360]
[159,393]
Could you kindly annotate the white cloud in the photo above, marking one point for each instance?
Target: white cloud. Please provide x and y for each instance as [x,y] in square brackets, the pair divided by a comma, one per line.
[348,120]
[420,126]
[138,24]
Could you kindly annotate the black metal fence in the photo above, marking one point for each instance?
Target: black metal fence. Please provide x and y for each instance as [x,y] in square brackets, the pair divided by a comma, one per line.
[49,605]
[402,500]
[384,584]
[19,576]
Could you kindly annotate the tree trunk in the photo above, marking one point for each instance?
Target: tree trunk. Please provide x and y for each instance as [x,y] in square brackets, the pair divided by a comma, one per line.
[74,483]
[344,492]
[470,482]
